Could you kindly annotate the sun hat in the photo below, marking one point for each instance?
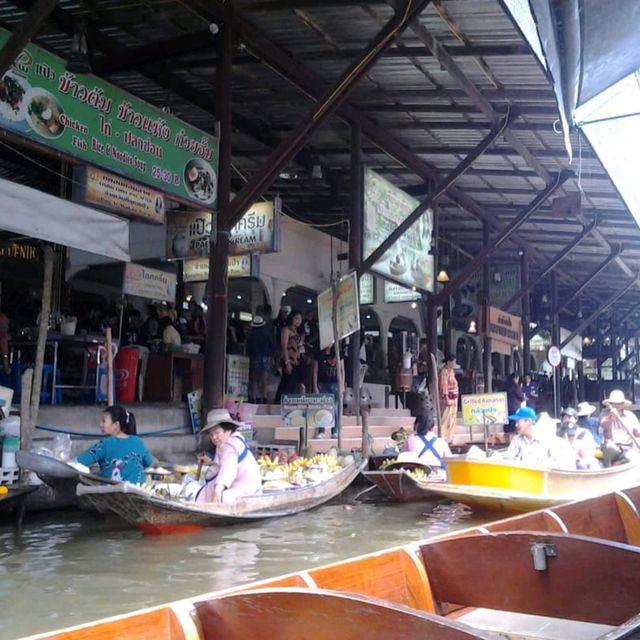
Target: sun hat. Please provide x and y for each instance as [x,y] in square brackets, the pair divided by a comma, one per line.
[408,459]
[585,409]
[258,321]
[569,411]
[219,416]
[616,397]
[524,413]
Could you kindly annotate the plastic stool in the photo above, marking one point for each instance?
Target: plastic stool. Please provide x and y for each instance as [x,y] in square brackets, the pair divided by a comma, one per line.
[45,388]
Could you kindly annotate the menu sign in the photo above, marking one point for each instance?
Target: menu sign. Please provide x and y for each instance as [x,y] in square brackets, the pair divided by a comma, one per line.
[409,260]
[396,293]
[97,123]
[256,232]
[152,284]
[239,267]
[108,191]
[188,234]
[367,289]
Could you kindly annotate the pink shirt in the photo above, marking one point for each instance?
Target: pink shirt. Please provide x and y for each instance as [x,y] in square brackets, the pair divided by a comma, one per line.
[241,478]
[415,445]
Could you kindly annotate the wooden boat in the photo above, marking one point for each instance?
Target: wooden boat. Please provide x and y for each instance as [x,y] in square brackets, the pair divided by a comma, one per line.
[500,485]
[160,515]
[15,497]
[548,577]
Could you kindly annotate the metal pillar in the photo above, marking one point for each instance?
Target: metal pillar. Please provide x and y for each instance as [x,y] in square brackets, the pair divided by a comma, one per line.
[216,342]
[615,354]
[489,248]
[486,303]
[526,313]
[555,340]
[599,357]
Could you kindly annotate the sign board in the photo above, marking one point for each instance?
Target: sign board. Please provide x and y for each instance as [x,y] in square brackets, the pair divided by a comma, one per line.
[485,408]
[194,400]
[188,234]
[197,270]
[314,411]
[19,251]
[502,326]
[396,293]
[367,289]
[237,386]
[258,231]
[409,260]
[347,310]
[152,284]
[554,357]
[573,349]
[96,122]
[108,191]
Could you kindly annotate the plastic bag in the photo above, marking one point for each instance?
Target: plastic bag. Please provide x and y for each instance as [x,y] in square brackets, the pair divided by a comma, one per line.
[61,446]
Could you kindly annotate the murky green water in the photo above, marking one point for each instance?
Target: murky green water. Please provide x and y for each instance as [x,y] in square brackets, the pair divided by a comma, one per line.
[69,567]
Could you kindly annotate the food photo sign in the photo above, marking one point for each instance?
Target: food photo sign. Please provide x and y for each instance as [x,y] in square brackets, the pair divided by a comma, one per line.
[89,119]
[409,260]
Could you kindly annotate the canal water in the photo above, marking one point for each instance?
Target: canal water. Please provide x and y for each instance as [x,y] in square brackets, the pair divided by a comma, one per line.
[69,567]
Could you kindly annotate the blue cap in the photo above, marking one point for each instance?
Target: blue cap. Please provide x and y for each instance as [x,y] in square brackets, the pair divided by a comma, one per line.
[524,413]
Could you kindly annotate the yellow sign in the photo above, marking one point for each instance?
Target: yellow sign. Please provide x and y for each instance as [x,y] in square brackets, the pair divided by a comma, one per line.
[485,408]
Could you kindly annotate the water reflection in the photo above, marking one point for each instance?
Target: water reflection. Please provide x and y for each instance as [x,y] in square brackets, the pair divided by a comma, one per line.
[73,567]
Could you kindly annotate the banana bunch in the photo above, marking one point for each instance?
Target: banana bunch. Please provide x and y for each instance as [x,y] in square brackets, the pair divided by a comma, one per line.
[417,474]
[385,463]
[298,468]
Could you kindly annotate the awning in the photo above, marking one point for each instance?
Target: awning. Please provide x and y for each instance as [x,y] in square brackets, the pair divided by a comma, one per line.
[32,213]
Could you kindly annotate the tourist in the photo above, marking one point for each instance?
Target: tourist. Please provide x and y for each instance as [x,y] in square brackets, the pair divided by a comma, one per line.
[430,448]
[234,471]
[291,356]
[620,427]
[586,420]
[325,380]
[530,391]
[582,443]
[515,399]
[448,390]
[260,349]
[122,455]
[568,416]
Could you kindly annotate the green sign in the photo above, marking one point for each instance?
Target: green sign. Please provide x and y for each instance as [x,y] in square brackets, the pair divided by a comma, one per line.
[97,123]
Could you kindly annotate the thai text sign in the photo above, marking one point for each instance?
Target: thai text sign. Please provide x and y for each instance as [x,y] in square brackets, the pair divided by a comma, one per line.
[484,408]
[347,311]
[152,284]
[409,260]
[315,411]
[367,289]
[189,234]
[111,192]
[87,118]
[503,326]
[238,267]
[257,230]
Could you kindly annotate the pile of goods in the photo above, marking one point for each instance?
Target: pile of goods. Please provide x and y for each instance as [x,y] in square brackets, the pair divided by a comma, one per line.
[287,472]
[178,482]
[417,473]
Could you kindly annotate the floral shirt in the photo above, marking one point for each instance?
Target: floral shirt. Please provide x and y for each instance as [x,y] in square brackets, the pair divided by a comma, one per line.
[122,459]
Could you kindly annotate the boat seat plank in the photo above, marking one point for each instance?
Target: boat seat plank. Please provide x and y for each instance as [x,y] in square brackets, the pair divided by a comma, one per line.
[291,614]
[460,569]
[630,630]
[630,518]
[601,520]
[633,493]
[396,575]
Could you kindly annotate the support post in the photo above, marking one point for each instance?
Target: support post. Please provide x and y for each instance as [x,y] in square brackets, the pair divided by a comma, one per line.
[599,357]
[526,313]
[555,340]
[486,303]
[614,347]
[216,342]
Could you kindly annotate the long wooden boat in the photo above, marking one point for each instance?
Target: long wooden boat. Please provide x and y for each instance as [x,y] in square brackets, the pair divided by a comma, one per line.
[571,571]
[15,497]
[500,485]
[159,515]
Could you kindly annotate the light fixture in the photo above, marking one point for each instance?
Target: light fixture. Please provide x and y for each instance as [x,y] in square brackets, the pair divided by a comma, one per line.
[443,276]
[544,299]
[472,327]
[309,301]
[239,297]
[284,295]
[579,314]
[214,29]
[586,341]
[79,60]
[497,277]
[414,305]
[368,317]
[316,171]
[414,289]
[189,298]
[288,175]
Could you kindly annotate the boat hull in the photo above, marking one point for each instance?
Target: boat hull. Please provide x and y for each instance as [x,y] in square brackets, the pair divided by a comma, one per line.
[398,485]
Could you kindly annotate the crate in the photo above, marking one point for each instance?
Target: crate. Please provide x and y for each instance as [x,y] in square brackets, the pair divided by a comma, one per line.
[9,476]
[273,450]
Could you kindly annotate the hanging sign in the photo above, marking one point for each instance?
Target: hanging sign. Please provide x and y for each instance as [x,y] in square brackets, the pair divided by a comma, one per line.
[554,356]
[347,311]
[152,284]
[188,234]
[484,408]
[409,260]
[396,293]
[87,118]
[246,266]
[19,252]
[108,191]
[237,387]
[314,411]
[367,289]
[502,326]
[258,231]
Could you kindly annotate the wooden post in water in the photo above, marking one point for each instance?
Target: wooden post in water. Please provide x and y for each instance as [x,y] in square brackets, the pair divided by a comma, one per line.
[336,349]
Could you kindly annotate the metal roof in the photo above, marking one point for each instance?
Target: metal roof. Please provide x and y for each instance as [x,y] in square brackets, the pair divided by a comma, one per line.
[162,51]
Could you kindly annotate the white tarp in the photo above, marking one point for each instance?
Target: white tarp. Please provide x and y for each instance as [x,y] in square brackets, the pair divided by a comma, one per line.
[29,212]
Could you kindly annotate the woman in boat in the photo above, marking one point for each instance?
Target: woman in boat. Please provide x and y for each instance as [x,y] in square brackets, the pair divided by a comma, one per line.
[122,455]
[430,449]
[620,428]
[234,471]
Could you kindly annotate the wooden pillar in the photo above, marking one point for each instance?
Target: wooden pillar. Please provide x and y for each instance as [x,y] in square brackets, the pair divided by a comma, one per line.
[216,342]
[526,313]
[613,333]
[599,339]
[555,340]
[486,303]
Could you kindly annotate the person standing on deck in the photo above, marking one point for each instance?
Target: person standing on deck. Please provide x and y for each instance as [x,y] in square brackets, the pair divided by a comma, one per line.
[449,392]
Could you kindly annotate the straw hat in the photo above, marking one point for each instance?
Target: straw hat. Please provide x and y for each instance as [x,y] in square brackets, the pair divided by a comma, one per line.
[585,409]
[219,416]
[408,459]
[616,397]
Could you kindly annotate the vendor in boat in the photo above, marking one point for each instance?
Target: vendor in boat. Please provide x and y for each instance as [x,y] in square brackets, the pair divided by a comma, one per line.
[234,471]
[430,448]
[122,455]
[620,427]
[530,447]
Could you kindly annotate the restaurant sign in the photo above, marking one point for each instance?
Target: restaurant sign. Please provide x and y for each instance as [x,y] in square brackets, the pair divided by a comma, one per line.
[108,191]
[152,284]
[257,231]
[87,118]
[503,326]
[188,234]
[409,260]
[246,266]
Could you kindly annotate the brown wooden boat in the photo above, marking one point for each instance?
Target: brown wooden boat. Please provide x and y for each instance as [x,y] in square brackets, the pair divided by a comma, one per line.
[570,571]
[15,497]
[399,486]
[160,515]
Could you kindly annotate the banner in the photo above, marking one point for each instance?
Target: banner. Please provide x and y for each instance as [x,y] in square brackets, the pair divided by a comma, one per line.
[91,120]
[94,187]
[484,408]
[152,284]
[246,266]
[347,310]
[396,293]
[409,260]
[314,411]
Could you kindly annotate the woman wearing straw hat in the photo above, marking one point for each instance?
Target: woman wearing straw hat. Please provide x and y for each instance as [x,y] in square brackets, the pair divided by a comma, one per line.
[620,426]
[234,471]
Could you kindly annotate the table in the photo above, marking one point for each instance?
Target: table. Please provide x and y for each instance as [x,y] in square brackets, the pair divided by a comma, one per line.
[170,376]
